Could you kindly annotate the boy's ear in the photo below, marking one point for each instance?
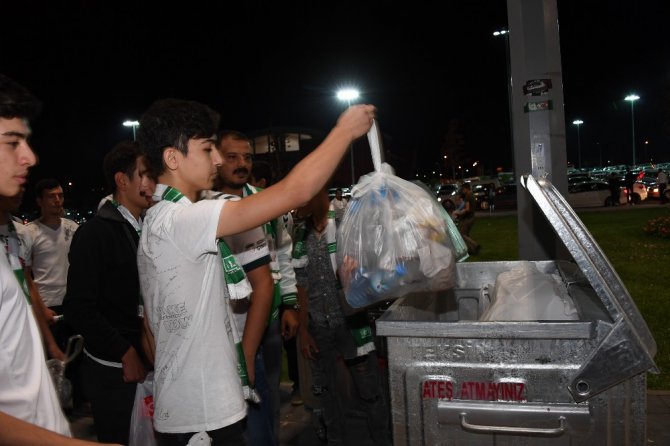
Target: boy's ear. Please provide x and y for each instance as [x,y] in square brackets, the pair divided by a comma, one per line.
[170,158]
[121,180]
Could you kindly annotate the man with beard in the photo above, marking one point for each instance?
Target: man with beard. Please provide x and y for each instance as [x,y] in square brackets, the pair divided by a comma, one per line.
[255,251]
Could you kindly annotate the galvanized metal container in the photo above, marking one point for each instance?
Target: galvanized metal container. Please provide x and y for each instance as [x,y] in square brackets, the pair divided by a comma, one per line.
[457,381]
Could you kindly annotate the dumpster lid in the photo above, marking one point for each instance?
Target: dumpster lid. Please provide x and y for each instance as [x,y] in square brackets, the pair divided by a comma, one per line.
[629,347]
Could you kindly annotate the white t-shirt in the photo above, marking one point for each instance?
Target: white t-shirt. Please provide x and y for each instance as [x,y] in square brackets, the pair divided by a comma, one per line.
[249,248]
[49,258]
[197,386]
[26,389]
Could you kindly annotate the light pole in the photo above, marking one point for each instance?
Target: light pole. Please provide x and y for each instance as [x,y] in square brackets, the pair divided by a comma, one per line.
[348,95]
[133,124]
[505,33]
[578,122]
[632,98]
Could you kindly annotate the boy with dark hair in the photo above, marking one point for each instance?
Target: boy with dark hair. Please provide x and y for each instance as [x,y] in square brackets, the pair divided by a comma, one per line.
[185,275]
[261,174]
[103,294]
[30,412]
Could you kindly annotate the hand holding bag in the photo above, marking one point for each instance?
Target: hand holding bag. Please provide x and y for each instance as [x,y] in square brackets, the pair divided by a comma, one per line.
[393,239]
[142,419]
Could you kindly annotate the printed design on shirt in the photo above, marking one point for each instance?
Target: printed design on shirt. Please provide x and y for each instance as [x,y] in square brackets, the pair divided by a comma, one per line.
[175,317]
[162,414]
[68,233]
[255,246]
[168,369]
[5,240]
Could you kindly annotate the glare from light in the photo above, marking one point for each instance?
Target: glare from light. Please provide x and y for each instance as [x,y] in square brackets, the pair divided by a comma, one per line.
[348,94]
[632,97]
[131,123]
[578,122]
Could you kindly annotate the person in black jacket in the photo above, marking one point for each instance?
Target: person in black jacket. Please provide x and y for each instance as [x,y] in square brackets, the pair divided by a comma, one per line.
[103,302]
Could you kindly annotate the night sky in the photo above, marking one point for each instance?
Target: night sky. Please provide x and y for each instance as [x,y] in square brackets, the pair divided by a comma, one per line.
[95,64]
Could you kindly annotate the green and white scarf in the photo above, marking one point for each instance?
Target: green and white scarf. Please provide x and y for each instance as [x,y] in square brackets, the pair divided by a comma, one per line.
[270,230]
[236,279]
[363,333]
[13,257]
[231,271]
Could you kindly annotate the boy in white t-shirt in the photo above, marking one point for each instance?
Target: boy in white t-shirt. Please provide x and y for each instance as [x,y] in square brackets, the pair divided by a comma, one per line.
[30,412]
[197,385]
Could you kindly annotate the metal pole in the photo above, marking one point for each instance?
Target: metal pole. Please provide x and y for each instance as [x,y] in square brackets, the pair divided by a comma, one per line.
[632,125]
[579,149]
[509,96]
[134,136]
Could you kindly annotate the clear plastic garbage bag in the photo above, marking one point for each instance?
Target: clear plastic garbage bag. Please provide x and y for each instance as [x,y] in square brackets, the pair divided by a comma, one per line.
[526,294]
[57,368]
[393,239]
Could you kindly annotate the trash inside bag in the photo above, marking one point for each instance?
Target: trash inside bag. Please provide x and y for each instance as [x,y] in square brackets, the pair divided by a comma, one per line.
[526,294]
[393,240]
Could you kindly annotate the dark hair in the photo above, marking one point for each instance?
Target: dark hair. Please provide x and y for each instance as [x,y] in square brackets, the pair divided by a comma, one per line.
[122,158]
[172,123]
[45,184]
[262,170]
[466,186]
[232,134]
[16,101]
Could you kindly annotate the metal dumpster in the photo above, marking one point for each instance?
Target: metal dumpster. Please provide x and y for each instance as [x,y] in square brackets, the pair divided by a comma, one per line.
[457,381]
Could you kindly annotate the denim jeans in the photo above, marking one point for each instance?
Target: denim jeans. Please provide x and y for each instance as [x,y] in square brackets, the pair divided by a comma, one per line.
[258,424]
[333,342]
[272,347]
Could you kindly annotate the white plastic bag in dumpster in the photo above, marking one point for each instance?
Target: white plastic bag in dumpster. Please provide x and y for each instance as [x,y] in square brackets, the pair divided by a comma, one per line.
[393,239]
[525,294]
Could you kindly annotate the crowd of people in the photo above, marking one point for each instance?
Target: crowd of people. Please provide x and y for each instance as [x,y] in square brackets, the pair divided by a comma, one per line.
[189,271]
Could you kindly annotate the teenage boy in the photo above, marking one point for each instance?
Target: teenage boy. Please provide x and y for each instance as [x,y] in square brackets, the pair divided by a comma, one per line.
[30,412]
[103,302]
[198,385]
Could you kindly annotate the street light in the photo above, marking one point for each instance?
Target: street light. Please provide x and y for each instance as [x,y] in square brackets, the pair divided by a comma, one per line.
[348,95]
[133,124]
[578,122]
[632,98]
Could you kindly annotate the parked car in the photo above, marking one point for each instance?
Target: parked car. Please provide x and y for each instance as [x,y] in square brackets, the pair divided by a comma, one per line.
[504,196]
[593,193]
[649,180]
[639,191]
[446,195]
[653,192]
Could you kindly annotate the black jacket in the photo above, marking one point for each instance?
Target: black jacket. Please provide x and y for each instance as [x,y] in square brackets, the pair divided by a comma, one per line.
[103,290]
